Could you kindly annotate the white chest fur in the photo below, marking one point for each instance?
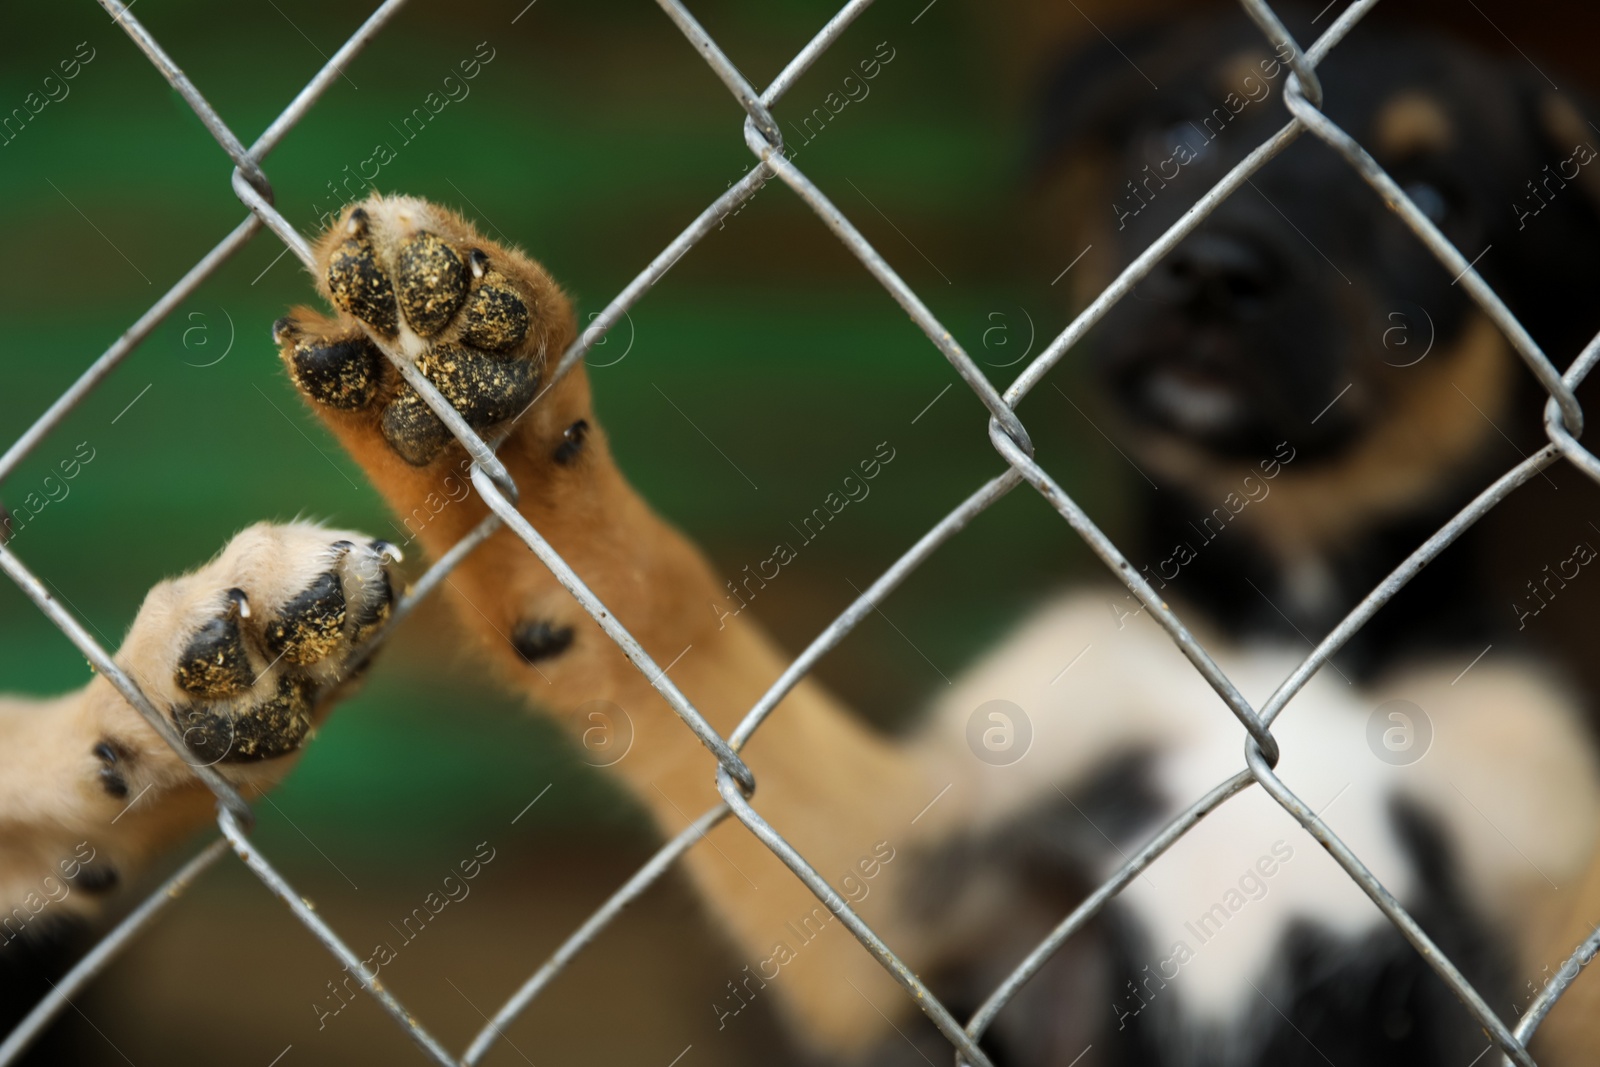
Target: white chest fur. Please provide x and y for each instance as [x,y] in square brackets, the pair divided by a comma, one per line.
[1507,775]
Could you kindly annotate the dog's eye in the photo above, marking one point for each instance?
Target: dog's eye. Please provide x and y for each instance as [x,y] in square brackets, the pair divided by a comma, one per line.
[1429,200]
[1184,133]
[1164,143]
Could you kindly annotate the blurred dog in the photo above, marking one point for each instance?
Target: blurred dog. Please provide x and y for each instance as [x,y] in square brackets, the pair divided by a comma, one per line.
[1299,458]
[1304,311]
[1304,345]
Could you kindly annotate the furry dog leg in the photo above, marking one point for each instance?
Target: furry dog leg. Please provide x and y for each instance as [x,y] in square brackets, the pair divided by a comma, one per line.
[246,655]
[484,324]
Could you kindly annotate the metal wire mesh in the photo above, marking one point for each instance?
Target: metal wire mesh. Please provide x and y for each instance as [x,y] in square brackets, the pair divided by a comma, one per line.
[1008,435]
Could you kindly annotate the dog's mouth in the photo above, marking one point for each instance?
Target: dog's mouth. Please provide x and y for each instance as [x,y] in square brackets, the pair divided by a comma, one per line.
[1177,378]
[1195,405]
[1190,354]
[1224,395]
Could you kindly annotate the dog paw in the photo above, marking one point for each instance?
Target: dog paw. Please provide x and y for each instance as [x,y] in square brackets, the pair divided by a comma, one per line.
[245,652]
[416,282]
[244,656]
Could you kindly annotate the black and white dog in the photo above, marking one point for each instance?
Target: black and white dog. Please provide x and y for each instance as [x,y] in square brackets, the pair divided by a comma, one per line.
[1308,396]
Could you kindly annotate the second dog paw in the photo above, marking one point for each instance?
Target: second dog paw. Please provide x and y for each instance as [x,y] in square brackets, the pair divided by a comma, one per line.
[246,650]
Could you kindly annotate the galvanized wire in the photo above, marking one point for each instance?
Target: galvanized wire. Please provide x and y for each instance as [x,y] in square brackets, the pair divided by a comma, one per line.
[584,935]
[1007,434]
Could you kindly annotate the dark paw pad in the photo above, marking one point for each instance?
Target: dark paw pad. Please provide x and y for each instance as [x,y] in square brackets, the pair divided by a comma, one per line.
[535,641]
[496,318]
[485,390]
[412,429]
[214,663]
[432,282]
[112,756]
[273,728]
[341,374]
[310,626]
[98,879]
[572,439]
[359,286]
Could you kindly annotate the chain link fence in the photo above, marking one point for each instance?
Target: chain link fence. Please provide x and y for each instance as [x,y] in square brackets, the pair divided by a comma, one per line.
[1006,433]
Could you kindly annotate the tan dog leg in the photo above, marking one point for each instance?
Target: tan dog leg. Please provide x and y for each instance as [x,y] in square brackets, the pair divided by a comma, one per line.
[1570,1035]
[245,654]
[485,324]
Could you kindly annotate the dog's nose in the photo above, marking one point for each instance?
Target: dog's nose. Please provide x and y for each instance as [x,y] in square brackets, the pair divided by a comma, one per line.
[1213,274]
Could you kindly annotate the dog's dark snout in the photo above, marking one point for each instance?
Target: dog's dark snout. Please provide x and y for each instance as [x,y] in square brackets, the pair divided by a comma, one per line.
[1217,274]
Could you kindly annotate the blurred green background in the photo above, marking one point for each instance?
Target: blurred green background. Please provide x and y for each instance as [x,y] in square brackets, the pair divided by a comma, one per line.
[592,137]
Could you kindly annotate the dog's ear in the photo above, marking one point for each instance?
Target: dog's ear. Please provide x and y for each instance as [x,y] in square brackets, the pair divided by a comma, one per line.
[1552,225]
[1089,99]
[1562,120]
[1087,108]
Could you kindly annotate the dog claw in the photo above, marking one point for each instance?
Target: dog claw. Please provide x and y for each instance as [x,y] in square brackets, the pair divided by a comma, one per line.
[284,330]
